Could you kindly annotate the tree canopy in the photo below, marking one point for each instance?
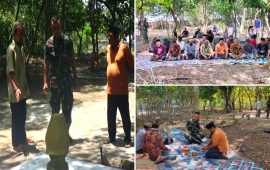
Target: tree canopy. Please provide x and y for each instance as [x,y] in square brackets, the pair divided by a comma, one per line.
[86,21]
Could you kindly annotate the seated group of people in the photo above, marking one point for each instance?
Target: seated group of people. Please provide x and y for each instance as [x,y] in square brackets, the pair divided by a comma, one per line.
[218,48]
[151,140]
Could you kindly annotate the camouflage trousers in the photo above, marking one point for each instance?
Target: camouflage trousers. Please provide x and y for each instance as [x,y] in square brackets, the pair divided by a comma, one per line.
[195,138]
[145,36]
[62,95]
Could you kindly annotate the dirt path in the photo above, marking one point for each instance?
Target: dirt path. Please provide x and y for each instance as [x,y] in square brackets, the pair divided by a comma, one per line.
[88,129]
[210,74]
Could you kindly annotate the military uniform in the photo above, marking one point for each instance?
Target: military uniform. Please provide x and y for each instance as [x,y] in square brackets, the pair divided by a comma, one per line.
[58,53]
[145,31]
[194,129]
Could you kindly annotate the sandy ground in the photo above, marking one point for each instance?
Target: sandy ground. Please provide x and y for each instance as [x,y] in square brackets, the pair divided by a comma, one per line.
[246,136]
[88,129]
[210,74]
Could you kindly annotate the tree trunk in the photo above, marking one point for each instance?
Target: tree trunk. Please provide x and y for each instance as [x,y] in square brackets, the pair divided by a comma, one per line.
[176,22]
[80,43]
[227,91]
[196,99]
[243,21]
[63,13]
[97,49]
[49,12]
[18,10]
[34,37]
[267,22]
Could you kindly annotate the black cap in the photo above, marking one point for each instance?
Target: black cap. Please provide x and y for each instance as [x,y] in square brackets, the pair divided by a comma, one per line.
[210,125]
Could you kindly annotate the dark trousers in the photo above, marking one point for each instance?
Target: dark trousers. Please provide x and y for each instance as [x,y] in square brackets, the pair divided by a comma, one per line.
[195,138]
[208,56]
[214,153]
[267,113]
[64,95]
[258,113]
[120,102]
[139,151]
[19,112]
[191,56]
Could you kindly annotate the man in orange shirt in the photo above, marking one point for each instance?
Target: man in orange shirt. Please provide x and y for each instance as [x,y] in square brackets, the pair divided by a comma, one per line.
[120,62]
[221,50]
[218,145]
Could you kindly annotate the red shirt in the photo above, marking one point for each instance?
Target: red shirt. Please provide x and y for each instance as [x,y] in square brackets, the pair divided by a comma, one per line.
[253,41]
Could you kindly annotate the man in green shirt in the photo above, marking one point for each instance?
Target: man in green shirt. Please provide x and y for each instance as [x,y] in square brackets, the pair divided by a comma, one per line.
[18,91]
[206,51]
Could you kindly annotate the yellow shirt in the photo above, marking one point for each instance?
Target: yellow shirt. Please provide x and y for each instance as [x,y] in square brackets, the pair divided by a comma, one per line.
[120,61]
[219,138]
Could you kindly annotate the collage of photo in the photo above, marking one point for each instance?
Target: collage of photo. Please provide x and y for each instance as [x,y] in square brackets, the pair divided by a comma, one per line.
[135,85]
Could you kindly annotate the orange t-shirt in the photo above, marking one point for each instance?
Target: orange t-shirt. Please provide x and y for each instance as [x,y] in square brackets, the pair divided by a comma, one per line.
[120,61]
[221,49]
[219,138]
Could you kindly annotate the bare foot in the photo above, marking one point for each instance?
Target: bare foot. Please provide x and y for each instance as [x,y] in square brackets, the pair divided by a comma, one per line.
[20,148]
[159,159]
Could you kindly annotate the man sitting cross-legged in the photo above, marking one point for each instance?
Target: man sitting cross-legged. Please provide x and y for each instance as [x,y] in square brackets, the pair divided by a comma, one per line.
[153,144]
[236,49]
[221,50]
[249,50]
[159,52]
[174,52]
[263,49]
[193,130]
[140,136]
[206,51]
[191,50]
[163,131]
[218,145]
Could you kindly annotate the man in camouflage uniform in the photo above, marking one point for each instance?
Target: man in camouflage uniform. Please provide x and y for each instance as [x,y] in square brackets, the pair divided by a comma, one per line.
[145,26]
[193,129]
[59,61]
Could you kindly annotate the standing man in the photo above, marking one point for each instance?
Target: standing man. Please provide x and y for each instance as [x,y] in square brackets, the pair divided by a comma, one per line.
[120,62]
[259,107]
[59,62]
[258,24]
[267,108]
[145,30]
[234,29]
[18,91]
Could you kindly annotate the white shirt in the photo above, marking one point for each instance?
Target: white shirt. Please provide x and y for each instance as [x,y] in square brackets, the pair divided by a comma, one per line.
[259,105]
[139,138]
[181,44]
[252,32]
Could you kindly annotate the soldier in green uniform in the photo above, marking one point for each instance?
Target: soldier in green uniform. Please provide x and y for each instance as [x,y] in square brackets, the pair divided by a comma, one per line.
[145,26]
[59,62]
[193,130]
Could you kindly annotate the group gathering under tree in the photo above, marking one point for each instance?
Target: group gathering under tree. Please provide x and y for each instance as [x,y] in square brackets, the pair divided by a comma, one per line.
[152,138]
[212,45]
